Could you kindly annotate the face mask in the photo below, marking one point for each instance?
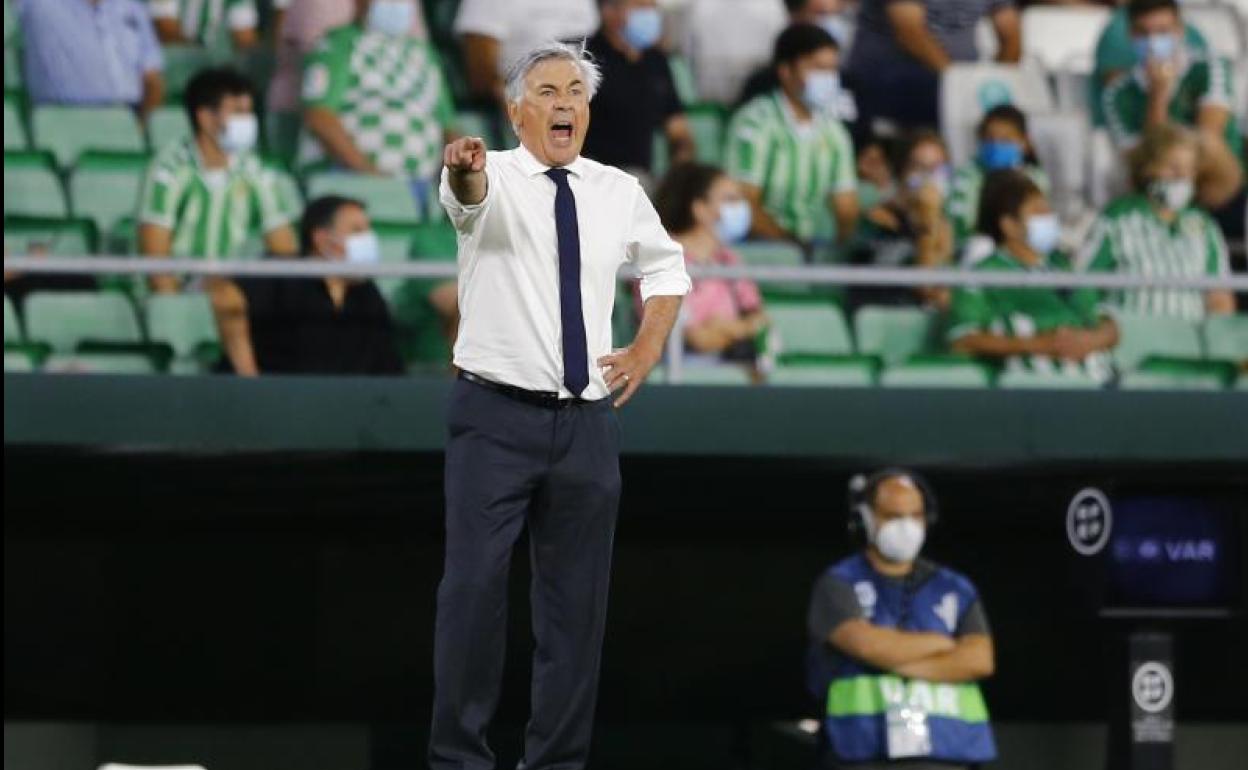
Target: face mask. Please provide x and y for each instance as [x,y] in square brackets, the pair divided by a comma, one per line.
[1174,194]
[821,90]
[363,248]
[939,177]
[995,155]
[391,17]
[643,28]
[239,135]
[836,26]
[1043,233]
[1154,47]
[900,540]
[734,221]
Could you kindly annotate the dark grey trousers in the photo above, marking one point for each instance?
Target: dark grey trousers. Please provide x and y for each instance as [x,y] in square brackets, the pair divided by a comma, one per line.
[508,464]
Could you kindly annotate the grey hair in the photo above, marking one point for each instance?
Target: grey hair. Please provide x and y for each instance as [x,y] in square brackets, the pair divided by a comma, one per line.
[578,54]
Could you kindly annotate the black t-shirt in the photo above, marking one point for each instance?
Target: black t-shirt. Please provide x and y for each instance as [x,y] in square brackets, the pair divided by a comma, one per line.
[634,100]
[296,329]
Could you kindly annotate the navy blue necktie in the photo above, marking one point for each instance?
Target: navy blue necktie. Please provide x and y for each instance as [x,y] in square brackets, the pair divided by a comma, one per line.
[575,355]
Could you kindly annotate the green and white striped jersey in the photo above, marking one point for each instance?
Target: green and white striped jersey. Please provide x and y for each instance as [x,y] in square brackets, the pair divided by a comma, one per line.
[207,20]
[1129,237]
[962,206]
[390,94]
[212,212]
[797,166]
[1027,312]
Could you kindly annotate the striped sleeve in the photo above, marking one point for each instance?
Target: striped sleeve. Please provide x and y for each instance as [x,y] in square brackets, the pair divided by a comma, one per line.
[1219,90]
[1116,105]
[1097,255]
[844,169]
[275,207]
[163,187]
[969,312]
[1217,260]
[326,71]
[962,206]
[746,149]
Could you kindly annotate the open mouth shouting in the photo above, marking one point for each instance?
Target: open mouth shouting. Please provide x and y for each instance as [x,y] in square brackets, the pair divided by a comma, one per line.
[562,133]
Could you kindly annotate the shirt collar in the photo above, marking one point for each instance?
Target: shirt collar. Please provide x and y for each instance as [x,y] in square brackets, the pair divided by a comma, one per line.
[532,166]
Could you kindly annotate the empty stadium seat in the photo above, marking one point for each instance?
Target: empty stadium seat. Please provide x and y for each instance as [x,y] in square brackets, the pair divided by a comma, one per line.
[64,320]
[1026,379]
[1226,337]
[701,374]
[763,252]
[105,188]
[14,129]
[1221,26]
[1063,37]
[968,90]
[63,237]
[706,122]
[387,199]
[1160,380]
[853,373]
[165,125]
[1144,336]
[12,324]
[32,188]
[99,363]
[184,322]
[893,333]
[12,69]
[683,79]
[810,328]
[67,132]
[435,240]
[937,373]
[16,361]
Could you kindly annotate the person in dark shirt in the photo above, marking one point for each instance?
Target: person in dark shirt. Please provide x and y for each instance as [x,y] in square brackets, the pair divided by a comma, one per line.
[332,325]
[637,96]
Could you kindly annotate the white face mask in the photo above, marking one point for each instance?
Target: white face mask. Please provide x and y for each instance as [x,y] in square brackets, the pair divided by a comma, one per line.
[240,134]
[1174,194]
[391,17]
[900,540]
[363,248]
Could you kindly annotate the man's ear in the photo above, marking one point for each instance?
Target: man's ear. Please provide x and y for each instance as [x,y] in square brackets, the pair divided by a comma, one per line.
[513,115]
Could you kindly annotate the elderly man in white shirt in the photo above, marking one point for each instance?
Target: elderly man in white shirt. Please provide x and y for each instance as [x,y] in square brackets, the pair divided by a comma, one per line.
[533,432]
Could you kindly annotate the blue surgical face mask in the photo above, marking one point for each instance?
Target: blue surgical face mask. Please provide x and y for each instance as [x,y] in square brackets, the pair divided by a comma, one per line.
[837,26]
[941,177]
[995,155]
[822,90]
[643,28]
[363,248]
[391,17]
[1044,231]
[734,221]
[1154,47]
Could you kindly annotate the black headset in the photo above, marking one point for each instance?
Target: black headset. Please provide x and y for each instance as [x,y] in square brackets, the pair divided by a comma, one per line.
[862,489]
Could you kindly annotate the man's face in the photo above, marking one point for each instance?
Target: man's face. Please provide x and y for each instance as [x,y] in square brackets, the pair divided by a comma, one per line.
[897,498]
[553,115]
[793,76]
[1162,21]
[615,12]
[331,242]
[212,122]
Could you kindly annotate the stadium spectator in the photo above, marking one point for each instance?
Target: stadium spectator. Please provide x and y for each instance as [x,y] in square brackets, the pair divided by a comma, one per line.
[1003,143]
[494,34]
[1039,330]
[832,16]
[875,173]
[375,100]
[1156,230]
[703,210]
[897,643]
[728,40]
[206,22]
[92,52]
[902,46]
[793,159]
[334,325]
[637,96]
[205,195]
[1171,83]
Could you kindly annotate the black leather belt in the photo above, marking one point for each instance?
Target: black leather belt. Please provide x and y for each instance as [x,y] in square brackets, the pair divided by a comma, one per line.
[543,398]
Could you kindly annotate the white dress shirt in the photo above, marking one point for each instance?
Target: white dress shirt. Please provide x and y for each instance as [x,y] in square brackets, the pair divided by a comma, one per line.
[509,328]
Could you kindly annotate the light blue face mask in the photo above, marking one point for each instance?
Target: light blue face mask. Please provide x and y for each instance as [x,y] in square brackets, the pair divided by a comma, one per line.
[821,91]
[837,26]
[391,17]
[643,28]
[363,248]
[1044,232]
[1154,47]
[734,221]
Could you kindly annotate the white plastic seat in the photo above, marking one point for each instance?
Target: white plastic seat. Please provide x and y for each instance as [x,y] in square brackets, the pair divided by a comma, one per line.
[1062,38]
[1223,28]
[967,91]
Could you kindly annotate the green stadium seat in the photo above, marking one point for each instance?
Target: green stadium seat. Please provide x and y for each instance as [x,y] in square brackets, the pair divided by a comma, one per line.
[683,79]
[388,199]
[814,327]
[1226,337]
[950,373]
[435,240]
[32,188]
[184,322]
[1242,382]
[167,124]
[12,324]
[711,375]
[396,247]
[16,361]
[65,320]
[12,32]
[1022,379]
[770,253]
[105,188]
[14,129]
[1162,380]
[62,237]
[706,122]
[477,123]
[893,333]
[852,373]
[99,363]
[67,132]
[1141,336]
[12,68]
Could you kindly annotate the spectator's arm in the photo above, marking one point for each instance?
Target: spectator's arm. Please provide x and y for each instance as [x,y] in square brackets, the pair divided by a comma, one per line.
[680,143]
[993,345]
[153,92]
[843,200]
[844,207]
[229,305]
[908,18]
[1218,262]
[323,123]
[481,67]
[762,223]
[886,648]
[971,659]
[715,334]
[243,20]
[281,241]
[1005,22]
[1219,174]
[933,241]
[151,65]
[157,242]
[166,22]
